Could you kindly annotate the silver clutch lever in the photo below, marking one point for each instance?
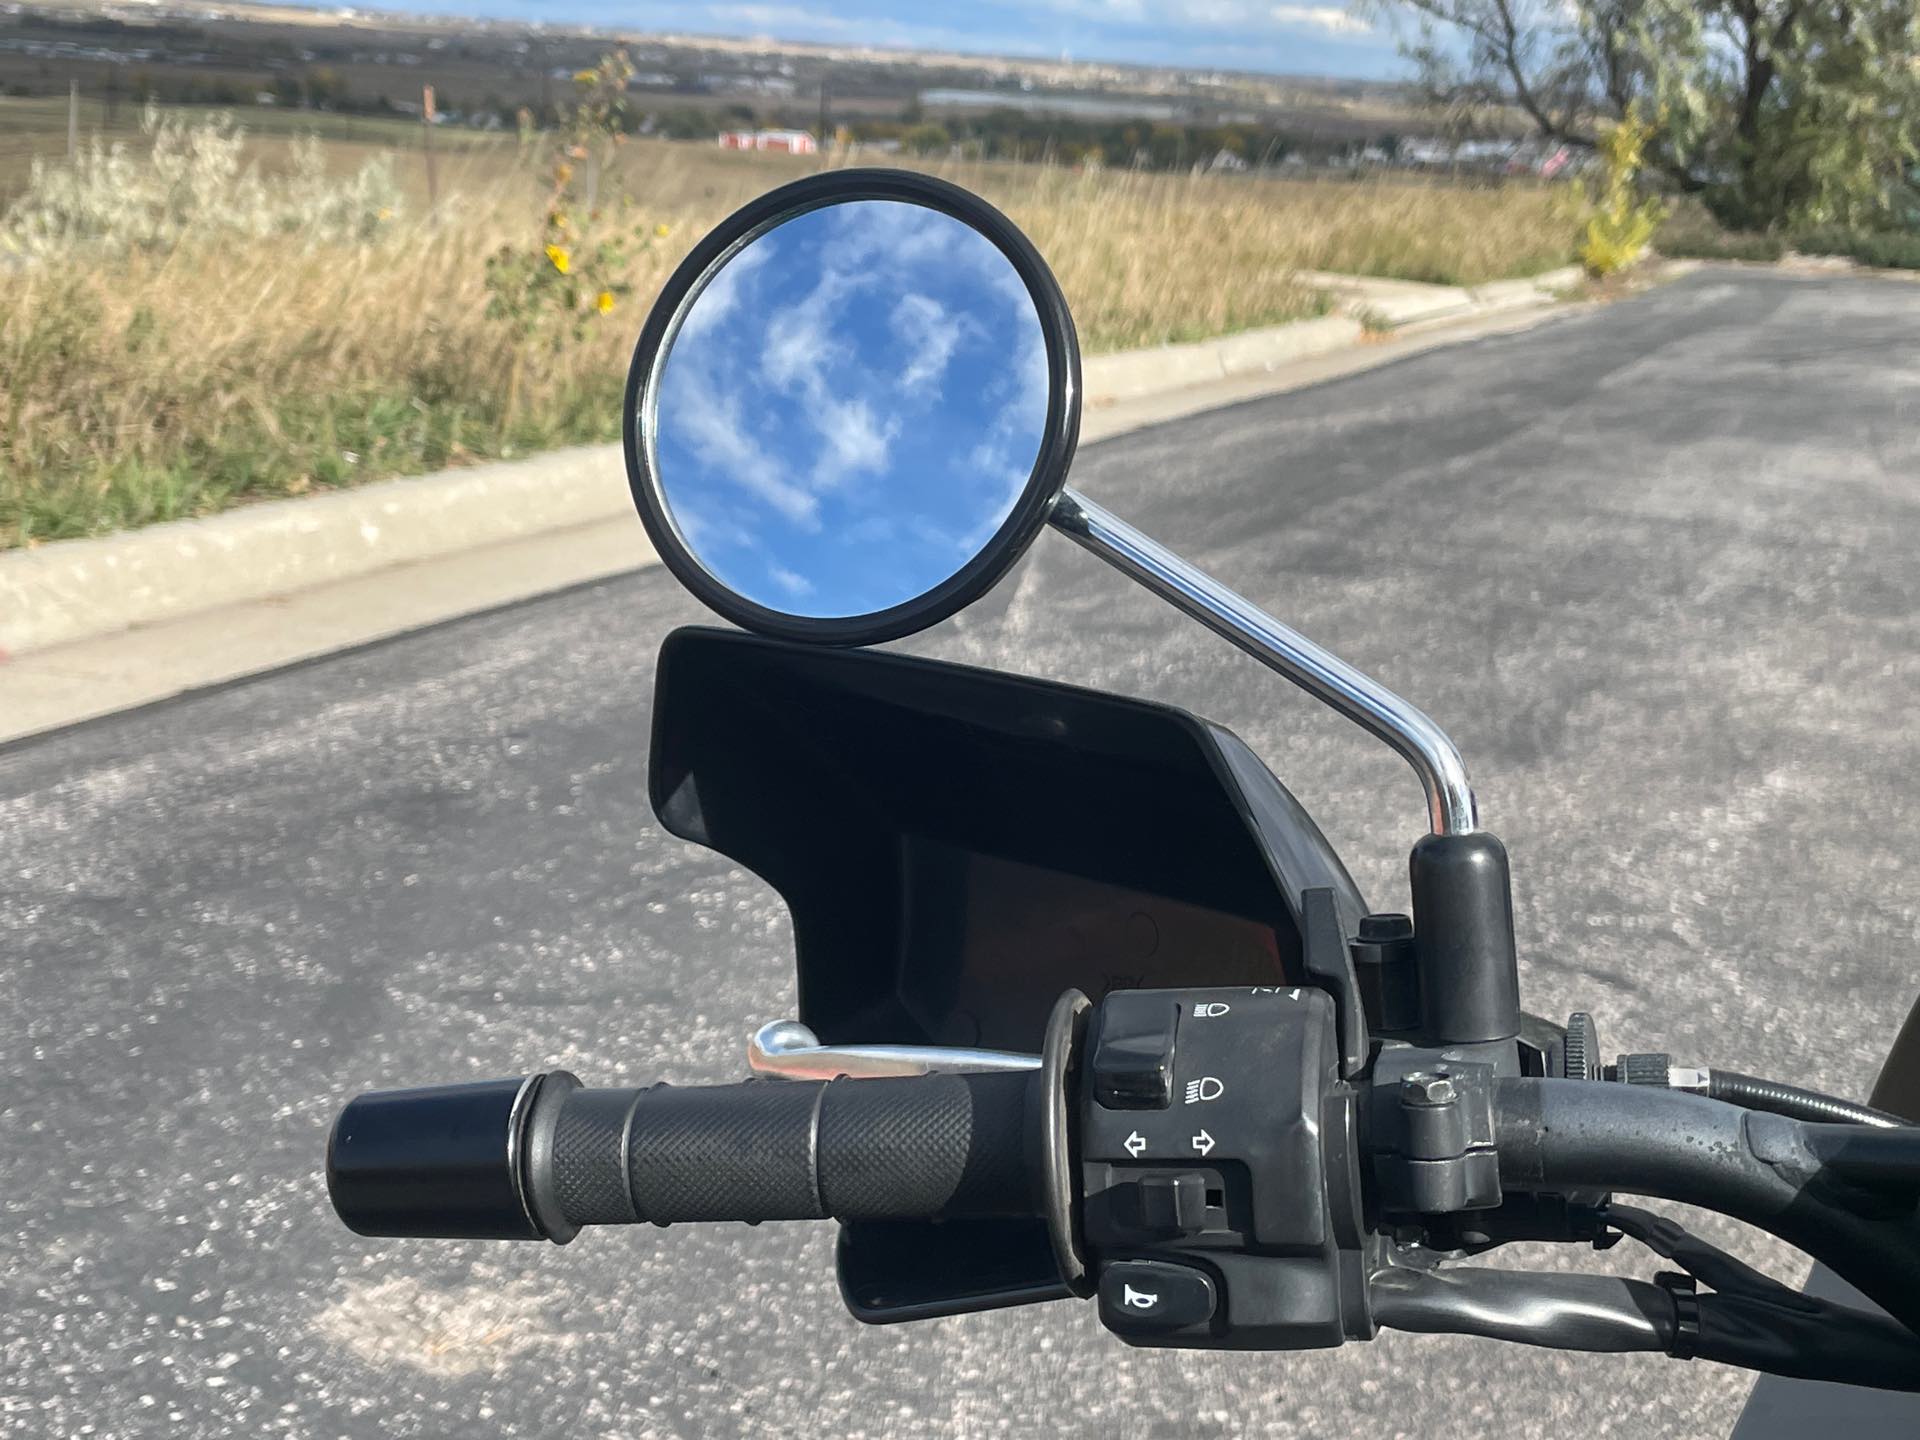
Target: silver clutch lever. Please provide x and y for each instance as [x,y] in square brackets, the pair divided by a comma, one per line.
[789,1050]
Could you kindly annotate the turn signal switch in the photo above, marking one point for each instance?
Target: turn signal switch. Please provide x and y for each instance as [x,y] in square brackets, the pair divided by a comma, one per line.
[1218,1169]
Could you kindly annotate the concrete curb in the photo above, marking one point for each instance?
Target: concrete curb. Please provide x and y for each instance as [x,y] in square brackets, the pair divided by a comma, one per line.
[78,589]
[1131,374]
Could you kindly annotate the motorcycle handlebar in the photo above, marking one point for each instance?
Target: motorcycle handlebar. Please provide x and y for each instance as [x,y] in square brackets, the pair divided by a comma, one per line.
[1794,1178]
[540,1158]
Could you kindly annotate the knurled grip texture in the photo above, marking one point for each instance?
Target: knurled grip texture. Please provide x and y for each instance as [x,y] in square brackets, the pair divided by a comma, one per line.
[900,1149]
[589,1174]
[729,1152]
[908,1147]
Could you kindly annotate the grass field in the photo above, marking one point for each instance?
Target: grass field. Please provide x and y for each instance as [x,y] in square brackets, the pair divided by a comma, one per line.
[38,127]
[155,385]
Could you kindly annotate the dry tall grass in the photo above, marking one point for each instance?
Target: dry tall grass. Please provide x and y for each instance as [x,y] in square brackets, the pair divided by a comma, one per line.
[1146,258]
[160,385]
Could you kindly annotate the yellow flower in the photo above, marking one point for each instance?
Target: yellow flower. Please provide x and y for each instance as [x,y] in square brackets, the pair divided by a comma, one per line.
[559,220]
[663,230]
[585,77]
[561,260]
[604,302]
[562,173]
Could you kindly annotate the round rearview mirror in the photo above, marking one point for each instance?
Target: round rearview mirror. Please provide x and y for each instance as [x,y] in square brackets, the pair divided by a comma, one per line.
[852,407]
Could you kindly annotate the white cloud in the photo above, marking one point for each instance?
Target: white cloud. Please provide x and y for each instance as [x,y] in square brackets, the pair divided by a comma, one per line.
[708,421]
[795,585]
[722,295]
[797,353]
[1228,34]
[780,17]
[1331,18]
[854,442]
[931,335]
[894,233]
[1246,16]
[799,343]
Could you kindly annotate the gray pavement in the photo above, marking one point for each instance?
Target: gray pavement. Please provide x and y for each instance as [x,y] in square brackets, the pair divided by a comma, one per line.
[1654,566]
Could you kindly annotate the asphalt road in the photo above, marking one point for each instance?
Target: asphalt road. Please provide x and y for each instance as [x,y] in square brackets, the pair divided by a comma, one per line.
[1654,566]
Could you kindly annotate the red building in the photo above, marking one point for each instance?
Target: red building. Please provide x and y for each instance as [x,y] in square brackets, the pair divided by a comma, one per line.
[787,142]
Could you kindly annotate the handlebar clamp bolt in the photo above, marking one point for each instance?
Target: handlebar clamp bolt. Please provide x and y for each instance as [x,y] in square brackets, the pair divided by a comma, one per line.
[1426,1090]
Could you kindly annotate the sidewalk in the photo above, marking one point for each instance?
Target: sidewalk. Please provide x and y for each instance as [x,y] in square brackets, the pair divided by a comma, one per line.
[1397,303]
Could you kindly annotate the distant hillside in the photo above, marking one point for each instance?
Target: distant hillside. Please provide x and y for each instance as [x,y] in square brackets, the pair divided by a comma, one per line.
[484,73]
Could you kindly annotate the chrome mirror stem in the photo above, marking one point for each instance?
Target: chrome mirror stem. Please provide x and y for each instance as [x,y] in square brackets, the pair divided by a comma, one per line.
[1318,671]
[789,1050]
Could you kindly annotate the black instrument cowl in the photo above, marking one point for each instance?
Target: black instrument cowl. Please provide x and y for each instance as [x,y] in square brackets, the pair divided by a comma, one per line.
[923,819]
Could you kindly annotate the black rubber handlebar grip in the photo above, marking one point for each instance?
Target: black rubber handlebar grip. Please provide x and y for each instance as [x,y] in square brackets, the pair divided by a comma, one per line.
[541,1157]
[871,1149]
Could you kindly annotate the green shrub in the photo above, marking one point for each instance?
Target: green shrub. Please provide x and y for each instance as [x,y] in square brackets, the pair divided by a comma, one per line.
[192,180]
[1883,249]
[1622,222]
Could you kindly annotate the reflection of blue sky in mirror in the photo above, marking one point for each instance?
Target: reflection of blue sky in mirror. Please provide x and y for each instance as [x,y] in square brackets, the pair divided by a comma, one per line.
[851,408]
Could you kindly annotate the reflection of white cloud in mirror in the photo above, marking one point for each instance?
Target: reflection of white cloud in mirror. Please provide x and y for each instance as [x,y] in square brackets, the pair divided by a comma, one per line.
[800,349]
[931,335]
[722,294]
[856,442]
[799,340]
[851,409]
[712,424]
[796,585]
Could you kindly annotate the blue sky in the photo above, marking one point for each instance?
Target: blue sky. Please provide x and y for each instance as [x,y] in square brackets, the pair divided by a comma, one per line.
[851,408]
[1301,37]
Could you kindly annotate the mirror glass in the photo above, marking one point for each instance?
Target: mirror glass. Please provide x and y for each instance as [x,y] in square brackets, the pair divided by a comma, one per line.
[850,408]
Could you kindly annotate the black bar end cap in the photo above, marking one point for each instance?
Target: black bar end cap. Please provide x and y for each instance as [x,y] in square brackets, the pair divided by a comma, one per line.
[441,1163]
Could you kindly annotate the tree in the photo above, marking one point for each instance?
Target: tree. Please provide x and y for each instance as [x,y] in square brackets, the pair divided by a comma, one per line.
[1477,58]
[1777,112]
[1837,139]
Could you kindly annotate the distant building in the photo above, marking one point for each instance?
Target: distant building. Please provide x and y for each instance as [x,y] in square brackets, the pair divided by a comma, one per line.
[789,142]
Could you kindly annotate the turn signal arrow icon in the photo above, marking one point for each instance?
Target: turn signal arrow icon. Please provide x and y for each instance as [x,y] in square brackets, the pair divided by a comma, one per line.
[1134,1144]
[1203,1142]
